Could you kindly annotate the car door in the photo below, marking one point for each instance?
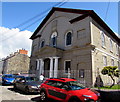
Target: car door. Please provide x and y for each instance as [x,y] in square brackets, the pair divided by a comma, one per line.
[18,83]
[57,92]
[23,84]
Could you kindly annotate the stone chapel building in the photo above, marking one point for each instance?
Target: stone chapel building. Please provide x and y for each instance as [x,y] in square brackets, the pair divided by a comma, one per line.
[74,43]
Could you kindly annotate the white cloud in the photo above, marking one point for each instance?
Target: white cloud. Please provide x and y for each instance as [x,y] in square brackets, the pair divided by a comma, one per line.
[12,40]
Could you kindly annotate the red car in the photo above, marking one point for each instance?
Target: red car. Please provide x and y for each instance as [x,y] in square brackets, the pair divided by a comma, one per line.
[67,90]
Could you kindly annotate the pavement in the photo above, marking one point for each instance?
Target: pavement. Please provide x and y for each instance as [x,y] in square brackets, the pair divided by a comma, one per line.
[8,94]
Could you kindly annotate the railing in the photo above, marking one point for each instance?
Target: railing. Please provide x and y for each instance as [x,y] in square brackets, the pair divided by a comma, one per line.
[87,77]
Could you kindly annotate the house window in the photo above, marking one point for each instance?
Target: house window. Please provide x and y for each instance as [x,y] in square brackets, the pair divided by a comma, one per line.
[67,66]
[118,64]
[42,44]
[36,65]
[103,38]
[111,45]
[117,49]
[68,38]
[54,39]
[104,61]
[34,48]
[81,73]
[112,62]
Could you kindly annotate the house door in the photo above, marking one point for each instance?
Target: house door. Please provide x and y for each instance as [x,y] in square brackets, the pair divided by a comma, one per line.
[46,67]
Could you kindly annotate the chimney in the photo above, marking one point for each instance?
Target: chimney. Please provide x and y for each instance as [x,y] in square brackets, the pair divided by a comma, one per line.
[23,51]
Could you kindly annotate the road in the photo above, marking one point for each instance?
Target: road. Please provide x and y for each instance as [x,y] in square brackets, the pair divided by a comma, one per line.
[8,93]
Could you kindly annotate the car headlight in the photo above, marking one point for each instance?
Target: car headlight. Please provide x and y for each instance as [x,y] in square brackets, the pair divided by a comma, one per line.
[87,96]
[33,86]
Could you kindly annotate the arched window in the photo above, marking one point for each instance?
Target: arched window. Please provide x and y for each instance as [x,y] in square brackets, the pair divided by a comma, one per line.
[54,39]
[68,38]
[103,38]
[42,43]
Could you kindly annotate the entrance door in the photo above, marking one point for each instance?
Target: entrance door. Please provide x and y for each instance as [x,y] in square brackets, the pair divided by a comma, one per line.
[46,67]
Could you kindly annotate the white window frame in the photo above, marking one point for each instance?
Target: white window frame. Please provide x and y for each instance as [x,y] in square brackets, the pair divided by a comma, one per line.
[65,65]
[117,49]
[54,34]
[66,38]
[103,42]
[81,73]
[111,45]
[112,62]
[41,43]
[104,60]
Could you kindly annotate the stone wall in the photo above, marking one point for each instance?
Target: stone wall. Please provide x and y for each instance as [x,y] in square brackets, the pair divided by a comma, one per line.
[19,63]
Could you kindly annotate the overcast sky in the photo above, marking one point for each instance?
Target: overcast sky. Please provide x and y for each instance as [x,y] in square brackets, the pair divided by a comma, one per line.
[17,40]
[20,19]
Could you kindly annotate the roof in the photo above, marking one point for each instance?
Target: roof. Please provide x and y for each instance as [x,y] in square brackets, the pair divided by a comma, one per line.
[85,13]
[62,79]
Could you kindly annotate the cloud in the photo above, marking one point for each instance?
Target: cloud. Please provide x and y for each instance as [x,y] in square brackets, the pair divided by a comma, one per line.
[12,40]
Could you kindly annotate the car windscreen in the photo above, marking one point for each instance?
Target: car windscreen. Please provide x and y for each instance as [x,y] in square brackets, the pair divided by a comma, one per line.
[9,76]
[28,79]
[74,85]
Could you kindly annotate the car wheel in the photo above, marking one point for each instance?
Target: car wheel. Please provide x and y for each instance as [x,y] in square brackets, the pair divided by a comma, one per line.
[43,96]
[15,87]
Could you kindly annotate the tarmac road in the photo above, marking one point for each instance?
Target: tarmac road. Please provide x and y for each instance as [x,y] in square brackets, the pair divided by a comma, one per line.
[8,94]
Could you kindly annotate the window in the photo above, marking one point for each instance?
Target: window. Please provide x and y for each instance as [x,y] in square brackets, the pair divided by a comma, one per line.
[55,84]
[68,38]
[54,39]
[111,45]
[51,83]
[42,43]
[34,48]
[67,66]
[112,62]
[118,64]
[103,38]
[81,73]
[104,61]
[117,49]
[36,64]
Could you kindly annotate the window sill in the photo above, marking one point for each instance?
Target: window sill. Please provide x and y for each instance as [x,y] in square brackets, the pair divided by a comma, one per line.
[103,47]
[68,45]
[111,51]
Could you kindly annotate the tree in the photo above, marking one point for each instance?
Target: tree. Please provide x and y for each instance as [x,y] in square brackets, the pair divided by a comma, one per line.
[111,71]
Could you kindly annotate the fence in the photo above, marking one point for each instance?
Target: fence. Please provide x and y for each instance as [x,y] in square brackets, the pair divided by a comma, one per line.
[85,77]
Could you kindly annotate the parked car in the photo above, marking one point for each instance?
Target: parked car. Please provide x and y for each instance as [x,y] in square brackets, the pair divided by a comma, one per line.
[8,79]
[27,84]
[67,90]
[0,79]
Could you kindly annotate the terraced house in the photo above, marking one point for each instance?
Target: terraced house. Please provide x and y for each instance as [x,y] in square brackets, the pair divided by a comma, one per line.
[74,43]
